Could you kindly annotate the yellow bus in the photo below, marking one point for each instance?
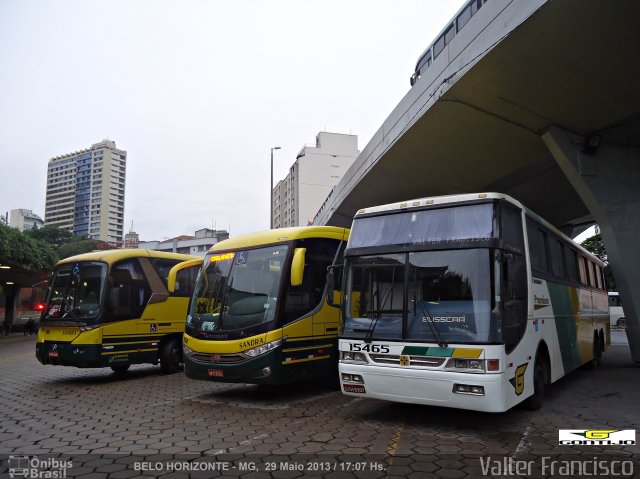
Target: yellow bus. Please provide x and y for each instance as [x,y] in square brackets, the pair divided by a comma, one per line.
[113,309]
[259,313]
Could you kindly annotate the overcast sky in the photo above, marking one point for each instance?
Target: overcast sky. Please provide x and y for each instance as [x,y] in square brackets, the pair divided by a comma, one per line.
[197,92]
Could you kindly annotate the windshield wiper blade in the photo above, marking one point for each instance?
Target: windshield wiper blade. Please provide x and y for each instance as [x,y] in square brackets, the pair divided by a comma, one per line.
[434,329]
[372,326]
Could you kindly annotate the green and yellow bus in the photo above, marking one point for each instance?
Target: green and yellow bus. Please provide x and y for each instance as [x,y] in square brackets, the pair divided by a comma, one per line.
[113,309]
[466,301]
[259,313]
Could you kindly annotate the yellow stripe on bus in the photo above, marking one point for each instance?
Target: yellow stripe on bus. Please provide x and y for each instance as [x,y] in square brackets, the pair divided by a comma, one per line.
[129,351]
[130,342]
[296,361]
[307,347]
[466,353]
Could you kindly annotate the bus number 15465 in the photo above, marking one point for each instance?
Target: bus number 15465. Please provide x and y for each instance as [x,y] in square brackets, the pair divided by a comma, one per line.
[369,348]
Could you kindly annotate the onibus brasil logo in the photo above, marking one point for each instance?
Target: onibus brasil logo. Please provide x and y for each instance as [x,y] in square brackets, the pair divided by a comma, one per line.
[34,468]
[597,437]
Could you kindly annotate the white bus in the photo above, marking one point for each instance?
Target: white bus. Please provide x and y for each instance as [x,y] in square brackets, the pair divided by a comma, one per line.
[616,313]
[466,301]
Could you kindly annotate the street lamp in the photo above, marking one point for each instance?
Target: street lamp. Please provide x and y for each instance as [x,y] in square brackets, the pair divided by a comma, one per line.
[271,190]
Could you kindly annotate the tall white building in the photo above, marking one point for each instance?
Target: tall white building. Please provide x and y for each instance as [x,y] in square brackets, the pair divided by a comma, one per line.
[85,192]
[298,197]
[25,219]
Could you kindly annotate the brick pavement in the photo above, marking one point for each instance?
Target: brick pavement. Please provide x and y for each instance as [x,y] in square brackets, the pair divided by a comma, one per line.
[106,425]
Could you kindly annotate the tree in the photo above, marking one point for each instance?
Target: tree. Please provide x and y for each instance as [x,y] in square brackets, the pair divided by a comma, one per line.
[595,245]
[25,250]
[78,247]
[52,235]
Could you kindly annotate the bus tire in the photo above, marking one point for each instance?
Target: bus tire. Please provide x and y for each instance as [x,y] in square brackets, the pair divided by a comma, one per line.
[170,355]
[120,369]
[597,352]
[534,402]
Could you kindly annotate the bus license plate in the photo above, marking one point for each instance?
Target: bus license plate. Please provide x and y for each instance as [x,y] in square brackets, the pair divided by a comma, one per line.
[216,373]
[53,354]
[354,388]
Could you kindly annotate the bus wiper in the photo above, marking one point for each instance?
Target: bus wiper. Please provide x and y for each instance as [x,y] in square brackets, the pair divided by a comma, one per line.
[434,329]
[372,326]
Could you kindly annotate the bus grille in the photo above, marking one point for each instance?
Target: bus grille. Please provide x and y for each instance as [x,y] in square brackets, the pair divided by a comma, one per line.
[218,358]
[430,362]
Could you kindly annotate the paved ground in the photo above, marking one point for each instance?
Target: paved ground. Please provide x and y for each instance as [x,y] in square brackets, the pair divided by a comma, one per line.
[100,425]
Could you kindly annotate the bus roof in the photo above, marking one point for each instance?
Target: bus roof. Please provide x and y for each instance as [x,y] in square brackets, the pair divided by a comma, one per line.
[437,200]
[281,235]
[112,255]
[434,201]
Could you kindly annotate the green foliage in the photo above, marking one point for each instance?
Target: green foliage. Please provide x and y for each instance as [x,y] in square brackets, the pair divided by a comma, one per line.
[78,246]
[52,235]
[595,245]
[25,250]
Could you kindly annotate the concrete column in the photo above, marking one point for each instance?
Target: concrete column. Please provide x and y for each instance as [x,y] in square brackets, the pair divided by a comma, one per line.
[608,182]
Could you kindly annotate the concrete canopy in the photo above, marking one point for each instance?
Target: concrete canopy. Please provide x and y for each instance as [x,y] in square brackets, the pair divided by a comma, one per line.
[571,64]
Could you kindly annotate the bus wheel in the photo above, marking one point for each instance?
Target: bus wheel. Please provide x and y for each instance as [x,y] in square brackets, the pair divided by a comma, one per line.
[597,352]
[170,355]
[120,369]
[539,380]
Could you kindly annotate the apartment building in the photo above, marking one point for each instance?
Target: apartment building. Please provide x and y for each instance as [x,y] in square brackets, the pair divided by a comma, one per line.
[317,169]
[85,192]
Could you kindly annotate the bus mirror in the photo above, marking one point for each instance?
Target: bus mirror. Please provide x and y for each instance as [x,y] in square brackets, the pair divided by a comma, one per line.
[173,285]
[330,287]
[297,266]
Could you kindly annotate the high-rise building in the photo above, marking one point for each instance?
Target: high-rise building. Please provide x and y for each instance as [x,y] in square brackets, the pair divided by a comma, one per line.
[85,192]
[298,197]
[25,219]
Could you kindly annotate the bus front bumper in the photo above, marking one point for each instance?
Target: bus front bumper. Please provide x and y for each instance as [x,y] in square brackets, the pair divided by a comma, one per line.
[68,354]
[428,387]
[263,369]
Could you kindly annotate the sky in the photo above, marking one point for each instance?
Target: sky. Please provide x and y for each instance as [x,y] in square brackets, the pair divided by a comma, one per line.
[197,92]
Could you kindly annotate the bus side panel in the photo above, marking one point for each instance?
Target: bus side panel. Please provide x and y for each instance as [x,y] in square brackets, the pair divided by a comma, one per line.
[129,342]
[569,304]
[326,322]
[311,347]
[169,316]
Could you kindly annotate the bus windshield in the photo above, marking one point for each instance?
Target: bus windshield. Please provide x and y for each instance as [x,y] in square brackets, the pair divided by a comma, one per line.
[237,291]
[429,228]
[76,292]
[427,296]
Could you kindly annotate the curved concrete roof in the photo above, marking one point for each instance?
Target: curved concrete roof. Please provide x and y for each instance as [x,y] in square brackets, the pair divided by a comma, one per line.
[475,124]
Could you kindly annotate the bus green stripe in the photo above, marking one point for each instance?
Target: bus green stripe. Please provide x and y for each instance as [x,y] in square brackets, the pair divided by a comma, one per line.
[565,325]
[427,351]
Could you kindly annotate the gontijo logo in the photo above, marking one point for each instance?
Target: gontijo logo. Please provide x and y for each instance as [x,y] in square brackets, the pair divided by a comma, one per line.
[597,437]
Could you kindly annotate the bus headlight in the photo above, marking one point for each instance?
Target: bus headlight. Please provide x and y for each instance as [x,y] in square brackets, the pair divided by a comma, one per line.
[355,357]
[468,389]
[466,365]
[263,348]
[186,350]
[352,378]
[89,328]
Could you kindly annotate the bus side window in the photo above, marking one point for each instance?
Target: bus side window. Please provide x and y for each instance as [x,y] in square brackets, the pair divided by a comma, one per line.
[301,300]
[130,291]
[162,267]
[514,293]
